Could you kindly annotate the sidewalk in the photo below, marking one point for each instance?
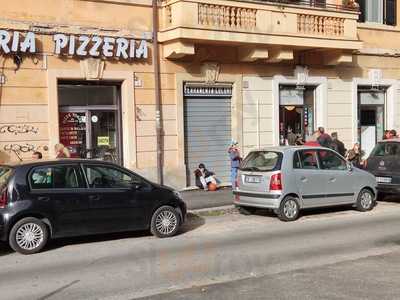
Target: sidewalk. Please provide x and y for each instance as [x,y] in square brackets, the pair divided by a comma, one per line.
[199,199]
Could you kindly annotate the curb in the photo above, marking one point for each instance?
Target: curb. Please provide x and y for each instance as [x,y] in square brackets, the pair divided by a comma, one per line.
[212,209]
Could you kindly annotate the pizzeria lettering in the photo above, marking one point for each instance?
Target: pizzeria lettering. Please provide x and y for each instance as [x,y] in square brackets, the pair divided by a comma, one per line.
[82,45]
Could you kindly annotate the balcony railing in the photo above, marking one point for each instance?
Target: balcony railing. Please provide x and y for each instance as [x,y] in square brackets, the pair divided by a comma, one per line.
[269,24]
[317,4]
[224,16]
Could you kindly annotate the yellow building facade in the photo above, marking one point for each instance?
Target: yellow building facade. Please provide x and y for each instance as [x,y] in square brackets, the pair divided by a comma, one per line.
[242,70]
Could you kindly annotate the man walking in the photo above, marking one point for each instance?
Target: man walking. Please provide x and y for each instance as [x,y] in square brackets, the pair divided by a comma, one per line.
[337,145]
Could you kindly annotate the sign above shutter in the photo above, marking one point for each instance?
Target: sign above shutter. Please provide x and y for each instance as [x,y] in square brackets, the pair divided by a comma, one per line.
[207,91]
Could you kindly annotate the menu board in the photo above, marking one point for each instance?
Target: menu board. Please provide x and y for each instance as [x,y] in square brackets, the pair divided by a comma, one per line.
[73,132]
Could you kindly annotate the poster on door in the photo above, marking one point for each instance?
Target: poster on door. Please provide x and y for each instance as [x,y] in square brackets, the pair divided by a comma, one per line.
[73,132]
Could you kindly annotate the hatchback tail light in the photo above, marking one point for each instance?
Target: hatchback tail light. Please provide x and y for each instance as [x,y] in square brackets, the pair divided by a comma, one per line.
[275,183]
[3,198]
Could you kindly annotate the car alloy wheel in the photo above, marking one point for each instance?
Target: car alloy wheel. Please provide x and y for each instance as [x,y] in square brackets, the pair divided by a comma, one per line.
[29,236]
[289,209]
[165,222]
[365,201]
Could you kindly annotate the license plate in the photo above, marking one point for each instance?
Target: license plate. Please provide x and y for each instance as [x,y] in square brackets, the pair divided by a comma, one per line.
[384,179]
[252,179]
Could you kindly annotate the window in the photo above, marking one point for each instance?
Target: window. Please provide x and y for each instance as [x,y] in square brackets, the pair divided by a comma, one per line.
[55,177]
[107,177]
[262,161]
[378,11]
[330,161]
[308,159]
[386,149]
[296,161]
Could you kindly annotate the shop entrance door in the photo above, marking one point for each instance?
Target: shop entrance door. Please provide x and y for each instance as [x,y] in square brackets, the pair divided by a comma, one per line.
[296,112]
[371,119]
[90,131]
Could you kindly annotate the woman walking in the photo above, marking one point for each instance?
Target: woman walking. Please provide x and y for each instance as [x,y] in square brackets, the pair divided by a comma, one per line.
[354,155]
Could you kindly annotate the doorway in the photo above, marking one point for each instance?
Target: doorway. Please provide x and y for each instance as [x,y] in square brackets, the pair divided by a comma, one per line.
[207,129]
[371,117]
[89,121]
[296,112]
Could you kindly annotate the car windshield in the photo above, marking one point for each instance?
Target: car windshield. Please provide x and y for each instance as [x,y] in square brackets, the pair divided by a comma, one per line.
[262,161]
[386,149]
[5,173]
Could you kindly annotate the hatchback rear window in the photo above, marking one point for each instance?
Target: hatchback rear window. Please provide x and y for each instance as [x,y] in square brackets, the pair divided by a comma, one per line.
[5,174]
[386,149]
[262,161]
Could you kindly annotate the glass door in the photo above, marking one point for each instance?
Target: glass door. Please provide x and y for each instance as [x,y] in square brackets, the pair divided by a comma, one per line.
[104,135]
[92,134]
[296,113]
[90,120]
[73,132]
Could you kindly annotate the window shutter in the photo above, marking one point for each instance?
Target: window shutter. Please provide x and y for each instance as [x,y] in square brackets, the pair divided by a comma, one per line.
[361,17]
[390,12]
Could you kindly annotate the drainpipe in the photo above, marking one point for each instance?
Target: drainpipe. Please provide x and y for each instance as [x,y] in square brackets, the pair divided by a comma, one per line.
[156,64]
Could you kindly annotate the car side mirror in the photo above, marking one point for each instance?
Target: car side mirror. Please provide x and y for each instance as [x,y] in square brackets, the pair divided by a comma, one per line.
[136,185]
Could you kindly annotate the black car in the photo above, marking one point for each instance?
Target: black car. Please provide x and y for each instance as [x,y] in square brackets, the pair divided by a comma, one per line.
[384,163]
[52,199]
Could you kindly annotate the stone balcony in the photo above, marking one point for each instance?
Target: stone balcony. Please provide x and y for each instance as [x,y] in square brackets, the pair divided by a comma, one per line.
[265,30]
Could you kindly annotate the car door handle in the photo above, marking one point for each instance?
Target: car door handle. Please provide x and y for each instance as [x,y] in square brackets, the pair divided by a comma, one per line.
[94,197]
[333,179]
[303,179]
[41,198]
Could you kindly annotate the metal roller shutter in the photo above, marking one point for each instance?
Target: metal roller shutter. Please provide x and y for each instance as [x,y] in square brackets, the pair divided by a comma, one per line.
[207,134]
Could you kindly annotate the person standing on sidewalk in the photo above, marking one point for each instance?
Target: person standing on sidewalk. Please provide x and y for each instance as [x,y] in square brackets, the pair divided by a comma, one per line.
[337,145]
[355,155]
[324,139]
[234,155]
[291,137]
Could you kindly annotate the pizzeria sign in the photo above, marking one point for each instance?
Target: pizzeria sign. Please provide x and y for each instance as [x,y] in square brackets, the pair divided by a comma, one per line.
[76,45]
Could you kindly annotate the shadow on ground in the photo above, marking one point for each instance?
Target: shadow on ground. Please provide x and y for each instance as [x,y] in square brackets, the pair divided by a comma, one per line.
[323,211]
[193,222]
[391,199]
[5,249]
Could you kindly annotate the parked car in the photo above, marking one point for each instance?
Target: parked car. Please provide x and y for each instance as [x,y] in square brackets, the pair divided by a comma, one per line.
[384,164]
[52,199]
[289,179]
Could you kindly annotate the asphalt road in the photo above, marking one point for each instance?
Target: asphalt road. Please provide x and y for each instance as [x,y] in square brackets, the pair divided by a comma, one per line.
[330,254]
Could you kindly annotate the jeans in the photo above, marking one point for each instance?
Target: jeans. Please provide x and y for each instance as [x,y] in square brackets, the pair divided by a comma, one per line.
[234,172]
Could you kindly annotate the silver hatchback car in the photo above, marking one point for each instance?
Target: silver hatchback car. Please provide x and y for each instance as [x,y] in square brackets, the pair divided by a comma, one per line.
[289,179]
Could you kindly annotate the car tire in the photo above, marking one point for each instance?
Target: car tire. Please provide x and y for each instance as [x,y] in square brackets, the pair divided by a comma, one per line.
[365,200]
[246,211]
[289,210]
[165,222]
[28,236]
